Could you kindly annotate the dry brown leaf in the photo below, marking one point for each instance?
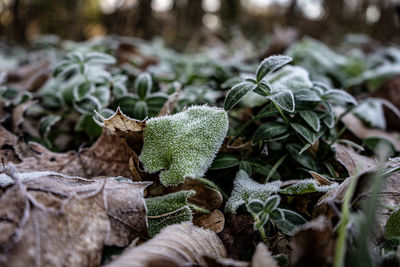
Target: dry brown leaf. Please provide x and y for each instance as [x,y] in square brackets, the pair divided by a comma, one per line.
[356,126]
[321,180]
[262,257]
[313,244]
[353,161]
[109,156]
[214,221]
[18,115]
[180,244]
[56,220]
[120,122]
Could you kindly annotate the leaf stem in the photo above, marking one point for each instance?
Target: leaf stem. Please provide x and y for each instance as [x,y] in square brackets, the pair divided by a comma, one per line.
[281,112]
[199,209]
[260,229]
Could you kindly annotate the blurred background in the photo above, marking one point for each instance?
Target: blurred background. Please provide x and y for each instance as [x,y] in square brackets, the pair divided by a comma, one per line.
[181,22]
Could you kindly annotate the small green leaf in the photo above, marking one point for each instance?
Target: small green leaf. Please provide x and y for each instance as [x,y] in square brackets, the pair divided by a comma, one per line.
[275,167]
[290,221]
[271,203]
[127,104]
[245,166]
[87,105]
[143,85]
[263,219]
[223,161]
[392,228]
[82,90]
[304,159]
[155,102]
[255,206]
[168,209]
[141,110]
[284,99]
[271,64]
[236,93]
[46,123]
[269,130]
[99,58]
[103,94]
[311,118]
[307,134]
[276,215]
[329,119]
[263,88]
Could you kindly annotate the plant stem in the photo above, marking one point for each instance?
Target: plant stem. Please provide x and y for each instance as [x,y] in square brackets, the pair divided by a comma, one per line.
[281,112]
[261,230]
[340,249]
[200,209]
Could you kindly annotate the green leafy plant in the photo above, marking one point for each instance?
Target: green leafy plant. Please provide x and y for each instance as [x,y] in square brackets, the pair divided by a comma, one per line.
[144,103]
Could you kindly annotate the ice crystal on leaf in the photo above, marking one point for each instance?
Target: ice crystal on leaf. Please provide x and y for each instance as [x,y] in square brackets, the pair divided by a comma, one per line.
[184,144]
[246,189]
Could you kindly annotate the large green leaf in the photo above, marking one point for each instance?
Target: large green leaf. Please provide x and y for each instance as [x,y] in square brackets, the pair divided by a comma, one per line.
[236,94]
[184,144]
[339,96]
[306,186]
[290,221]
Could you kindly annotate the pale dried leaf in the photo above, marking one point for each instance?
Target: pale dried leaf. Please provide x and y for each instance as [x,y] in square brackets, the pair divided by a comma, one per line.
[180,243]
[170,104]
[353,161]
[262,257]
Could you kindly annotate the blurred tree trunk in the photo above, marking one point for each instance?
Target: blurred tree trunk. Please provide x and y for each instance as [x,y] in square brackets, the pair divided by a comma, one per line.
[143,25]
[18,27]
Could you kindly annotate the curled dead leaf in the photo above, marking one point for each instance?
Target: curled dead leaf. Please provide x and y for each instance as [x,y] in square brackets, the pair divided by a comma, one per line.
[120,122]
[181,244]
[58,220]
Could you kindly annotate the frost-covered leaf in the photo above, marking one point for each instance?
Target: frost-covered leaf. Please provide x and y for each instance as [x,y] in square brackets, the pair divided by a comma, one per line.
[306,95]
[98,58]
[284,99]
[167,210]
[311,118]
[271,203]
[245,166]
[87,105]
[306,133]
[306,186]
[46,123]
[392,228]
[371,112]
[83,89]
[236,94]
[141,110]
[223,161]
[271,64]
[292,78]
[339,96]
[127,104]
[290,221]
[246,189]
[143,85]
[269,130]
[184,144]
[255,206]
